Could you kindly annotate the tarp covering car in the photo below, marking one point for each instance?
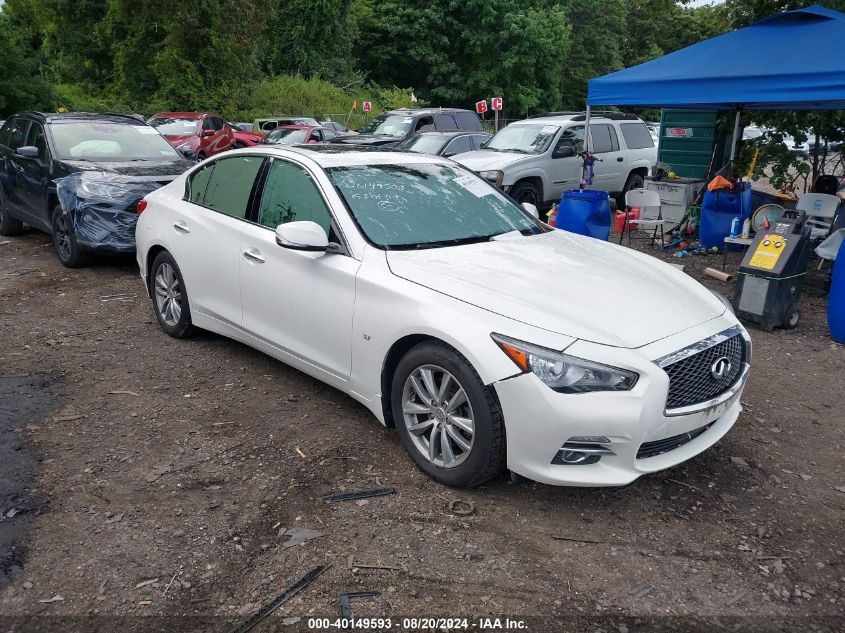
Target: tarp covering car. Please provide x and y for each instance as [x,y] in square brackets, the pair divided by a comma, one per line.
[787,61]
[102,207]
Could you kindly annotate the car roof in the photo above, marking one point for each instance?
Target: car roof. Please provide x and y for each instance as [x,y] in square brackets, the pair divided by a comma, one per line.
[185,115]
[412,112]
[450,133]
[348,155]
[113,117]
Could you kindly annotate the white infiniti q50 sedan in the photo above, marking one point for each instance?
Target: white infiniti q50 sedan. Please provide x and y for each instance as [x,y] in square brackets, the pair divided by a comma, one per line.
[487,339]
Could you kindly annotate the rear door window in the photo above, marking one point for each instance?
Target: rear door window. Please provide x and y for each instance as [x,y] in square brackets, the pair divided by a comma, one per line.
[636,135]
[5,131]
[600,134]
[468,121]
[230,185]
[445,123]
[197,183]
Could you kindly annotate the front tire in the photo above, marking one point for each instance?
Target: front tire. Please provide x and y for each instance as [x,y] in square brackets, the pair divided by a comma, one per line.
[450,424]
[169,297]
[527,191]
[69,251]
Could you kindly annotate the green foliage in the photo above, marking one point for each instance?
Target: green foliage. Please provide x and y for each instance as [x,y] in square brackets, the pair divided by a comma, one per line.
[312,38]
[459,51]
[296,95]
[21,88]
[598,29]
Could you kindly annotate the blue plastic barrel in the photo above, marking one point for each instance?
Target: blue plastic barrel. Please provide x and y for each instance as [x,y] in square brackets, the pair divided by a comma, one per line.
[585,212]
[836,299]
[718,209]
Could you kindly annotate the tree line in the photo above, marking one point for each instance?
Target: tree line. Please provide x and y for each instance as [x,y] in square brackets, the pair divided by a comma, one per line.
[147,55]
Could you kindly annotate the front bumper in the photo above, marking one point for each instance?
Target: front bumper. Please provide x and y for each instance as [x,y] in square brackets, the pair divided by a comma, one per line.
[539,421]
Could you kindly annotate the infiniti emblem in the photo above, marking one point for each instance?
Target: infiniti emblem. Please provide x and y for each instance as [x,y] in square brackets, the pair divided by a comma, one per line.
[720,368]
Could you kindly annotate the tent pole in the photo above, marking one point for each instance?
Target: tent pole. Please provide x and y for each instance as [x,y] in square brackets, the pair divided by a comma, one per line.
[735,136]
[587,130]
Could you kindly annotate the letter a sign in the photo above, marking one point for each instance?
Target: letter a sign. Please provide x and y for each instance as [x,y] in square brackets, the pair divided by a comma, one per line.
[368,106]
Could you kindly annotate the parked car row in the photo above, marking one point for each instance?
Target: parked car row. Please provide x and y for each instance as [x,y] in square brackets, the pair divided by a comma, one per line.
[407,281]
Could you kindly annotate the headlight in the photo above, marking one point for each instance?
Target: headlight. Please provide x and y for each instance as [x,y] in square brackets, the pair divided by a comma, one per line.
[496,177]
[564,373]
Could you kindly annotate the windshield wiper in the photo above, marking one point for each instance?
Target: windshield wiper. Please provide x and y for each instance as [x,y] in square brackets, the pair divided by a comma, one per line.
[443,243]
[518,150]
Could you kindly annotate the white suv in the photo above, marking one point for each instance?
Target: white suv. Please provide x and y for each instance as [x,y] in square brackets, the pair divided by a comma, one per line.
[536,160]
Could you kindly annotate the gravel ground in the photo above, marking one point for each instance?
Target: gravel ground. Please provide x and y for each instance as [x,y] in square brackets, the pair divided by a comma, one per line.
[146,480]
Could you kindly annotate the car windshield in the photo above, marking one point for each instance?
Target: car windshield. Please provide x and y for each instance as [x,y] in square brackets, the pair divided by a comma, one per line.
[523,138]
[285,136]
[389,124]
[96,140]
[426,205]
[423,143]
[176,127]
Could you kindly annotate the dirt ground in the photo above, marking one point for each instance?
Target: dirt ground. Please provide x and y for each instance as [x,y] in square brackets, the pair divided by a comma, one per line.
[150,482]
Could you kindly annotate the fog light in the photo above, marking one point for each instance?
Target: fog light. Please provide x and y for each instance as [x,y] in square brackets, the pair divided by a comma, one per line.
[575,457]
[582,450]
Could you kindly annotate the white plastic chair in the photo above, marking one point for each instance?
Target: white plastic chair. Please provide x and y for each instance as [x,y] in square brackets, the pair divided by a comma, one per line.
[651,214]
[820,209]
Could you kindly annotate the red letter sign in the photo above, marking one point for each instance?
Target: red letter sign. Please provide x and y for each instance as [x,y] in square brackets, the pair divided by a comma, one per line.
[481,106]
[496,103]
[368,106]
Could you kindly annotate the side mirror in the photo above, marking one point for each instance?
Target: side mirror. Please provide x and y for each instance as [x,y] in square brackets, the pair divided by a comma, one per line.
[188,152]
[532,210]
[28,151]
[208,132]
[304,235]
[565,151]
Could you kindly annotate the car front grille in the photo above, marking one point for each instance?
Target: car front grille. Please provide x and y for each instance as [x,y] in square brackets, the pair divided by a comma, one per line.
[691,379]
[658,447]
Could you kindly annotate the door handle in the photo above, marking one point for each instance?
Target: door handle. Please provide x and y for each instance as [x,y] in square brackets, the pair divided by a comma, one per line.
[181,227]
[619,159]
[253,255]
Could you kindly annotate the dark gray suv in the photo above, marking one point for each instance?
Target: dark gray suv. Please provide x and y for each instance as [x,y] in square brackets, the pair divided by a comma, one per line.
[388,128]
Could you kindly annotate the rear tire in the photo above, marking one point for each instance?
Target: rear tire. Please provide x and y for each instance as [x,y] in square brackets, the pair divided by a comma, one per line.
[463,420]
[169,297]
[8,225]
[68,250]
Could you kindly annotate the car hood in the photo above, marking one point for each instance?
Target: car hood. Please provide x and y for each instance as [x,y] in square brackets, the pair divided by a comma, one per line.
[488,160]
[568,284]
[160,171]
[367,139]
[178,139]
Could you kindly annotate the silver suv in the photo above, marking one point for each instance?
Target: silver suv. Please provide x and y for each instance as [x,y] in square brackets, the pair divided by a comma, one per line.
[535,160]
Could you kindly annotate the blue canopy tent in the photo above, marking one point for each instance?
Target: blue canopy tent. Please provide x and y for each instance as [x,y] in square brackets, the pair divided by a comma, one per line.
[788,61]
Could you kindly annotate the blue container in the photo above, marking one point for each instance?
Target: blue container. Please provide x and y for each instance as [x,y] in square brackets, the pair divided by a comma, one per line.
[585,212]
[836,299]
[718,210]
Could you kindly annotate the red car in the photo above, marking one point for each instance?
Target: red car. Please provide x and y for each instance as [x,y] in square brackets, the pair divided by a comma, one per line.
[298,135]
[245,138]
[202,133]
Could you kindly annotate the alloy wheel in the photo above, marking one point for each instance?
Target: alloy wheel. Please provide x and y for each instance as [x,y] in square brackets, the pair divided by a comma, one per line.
[63,244]
[168,295]
[438,416]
